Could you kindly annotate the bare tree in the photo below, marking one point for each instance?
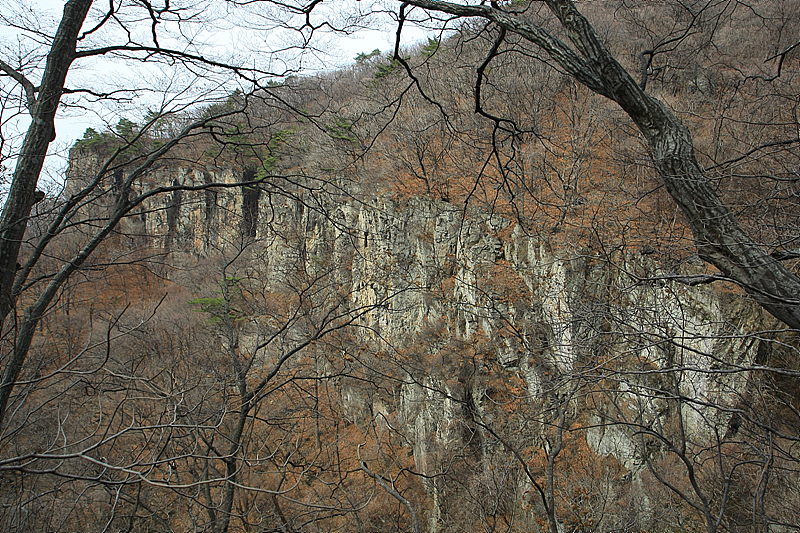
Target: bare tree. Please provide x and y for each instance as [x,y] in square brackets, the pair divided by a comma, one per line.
[131,153]
[206,440]
[110,195]
[719,237]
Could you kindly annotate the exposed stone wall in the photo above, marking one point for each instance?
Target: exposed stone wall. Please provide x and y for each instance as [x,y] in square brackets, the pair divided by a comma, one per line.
[546,307]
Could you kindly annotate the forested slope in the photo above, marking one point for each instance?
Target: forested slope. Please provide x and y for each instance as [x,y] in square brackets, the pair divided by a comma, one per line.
[406,296]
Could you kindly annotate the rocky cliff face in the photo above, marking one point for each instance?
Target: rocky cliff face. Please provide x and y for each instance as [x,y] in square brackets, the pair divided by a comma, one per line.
[476,300]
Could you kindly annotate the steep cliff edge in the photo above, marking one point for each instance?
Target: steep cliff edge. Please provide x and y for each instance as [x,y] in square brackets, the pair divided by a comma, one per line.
[506,345]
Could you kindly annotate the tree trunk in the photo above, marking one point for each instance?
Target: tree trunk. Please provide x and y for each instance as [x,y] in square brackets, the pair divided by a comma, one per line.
[719,237]
[41,133]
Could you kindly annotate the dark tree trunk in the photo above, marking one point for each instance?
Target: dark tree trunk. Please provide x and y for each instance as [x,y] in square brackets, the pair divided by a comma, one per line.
[719,237]
[22,194]
[41,133]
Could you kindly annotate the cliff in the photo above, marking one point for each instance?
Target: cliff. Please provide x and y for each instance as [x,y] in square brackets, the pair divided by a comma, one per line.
[503,343]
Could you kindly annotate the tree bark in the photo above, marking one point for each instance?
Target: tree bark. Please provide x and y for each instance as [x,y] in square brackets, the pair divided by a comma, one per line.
[719,237]
[22,195]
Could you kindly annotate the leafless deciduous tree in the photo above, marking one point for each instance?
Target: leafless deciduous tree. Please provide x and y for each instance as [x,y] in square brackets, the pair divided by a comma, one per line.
[719,237]
[131,33]
[236,420]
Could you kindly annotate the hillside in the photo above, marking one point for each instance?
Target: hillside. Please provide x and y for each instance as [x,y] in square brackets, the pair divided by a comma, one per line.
[449,291]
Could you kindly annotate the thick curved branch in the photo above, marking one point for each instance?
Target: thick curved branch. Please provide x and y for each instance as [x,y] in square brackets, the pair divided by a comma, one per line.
[566,58]
[719,237]
[19,77]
